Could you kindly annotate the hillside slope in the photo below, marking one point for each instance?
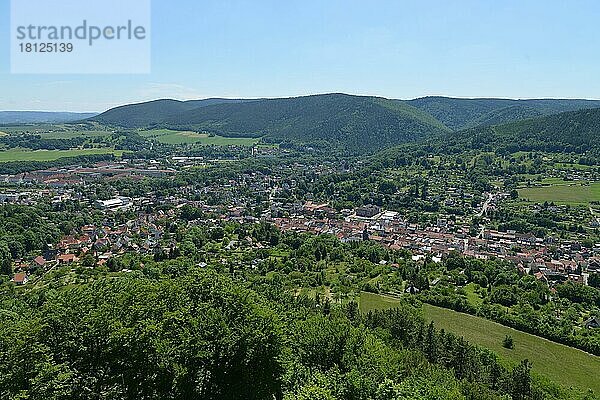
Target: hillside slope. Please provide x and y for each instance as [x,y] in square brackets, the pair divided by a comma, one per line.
[153,112]
[575,131]
[360,124]
[460,114]
[354,123]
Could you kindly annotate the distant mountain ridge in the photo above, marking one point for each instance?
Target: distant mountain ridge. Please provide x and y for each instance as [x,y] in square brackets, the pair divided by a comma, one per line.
[454,113]
[459,114]
[571,132]
[356,123]
[27,117]
[154,112]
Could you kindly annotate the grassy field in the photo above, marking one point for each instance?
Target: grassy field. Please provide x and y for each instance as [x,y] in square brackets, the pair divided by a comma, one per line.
[562,364]
[472,296]
[553,181]
[573,166]
[75,134]
[573,193]
[371,301]
[186,137]
[35,128]
[51,155]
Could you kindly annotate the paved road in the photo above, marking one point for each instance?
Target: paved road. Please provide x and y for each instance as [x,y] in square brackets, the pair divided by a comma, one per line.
[486,204]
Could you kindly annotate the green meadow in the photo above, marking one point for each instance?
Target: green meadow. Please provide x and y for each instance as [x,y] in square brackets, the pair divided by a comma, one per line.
[57,131]
[370,301]
[562,364]
[573,166]
[75,134]
[571,193]
[168,136]
[51,155]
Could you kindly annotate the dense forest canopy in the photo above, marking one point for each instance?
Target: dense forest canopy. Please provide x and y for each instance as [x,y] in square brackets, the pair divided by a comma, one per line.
[355,124]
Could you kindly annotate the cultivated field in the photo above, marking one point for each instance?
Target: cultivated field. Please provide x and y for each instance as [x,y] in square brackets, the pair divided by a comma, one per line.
[51,155]
[574,193]
[168,136]
[565,365]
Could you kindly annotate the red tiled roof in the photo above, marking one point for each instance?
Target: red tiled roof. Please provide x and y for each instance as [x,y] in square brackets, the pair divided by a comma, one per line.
[66,257]
[39,260]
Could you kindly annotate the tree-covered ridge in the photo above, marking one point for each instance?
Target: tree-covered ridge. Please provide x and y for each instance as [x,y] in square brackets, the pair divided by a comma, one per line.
[574,132]
[357,124]
[459,114]
[152,112]
[506,115]
[354,123]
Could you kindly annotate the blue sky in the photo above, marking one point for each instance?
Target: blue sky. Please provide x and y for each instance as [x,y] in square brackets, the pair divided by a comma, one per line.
[395,48]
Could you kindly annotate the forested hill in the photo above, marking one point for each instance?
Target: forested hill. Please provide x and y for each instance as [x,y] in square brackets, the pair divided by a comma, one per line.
[460,114]
[153,112]
[355,123]
[358,124]
[571,132]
